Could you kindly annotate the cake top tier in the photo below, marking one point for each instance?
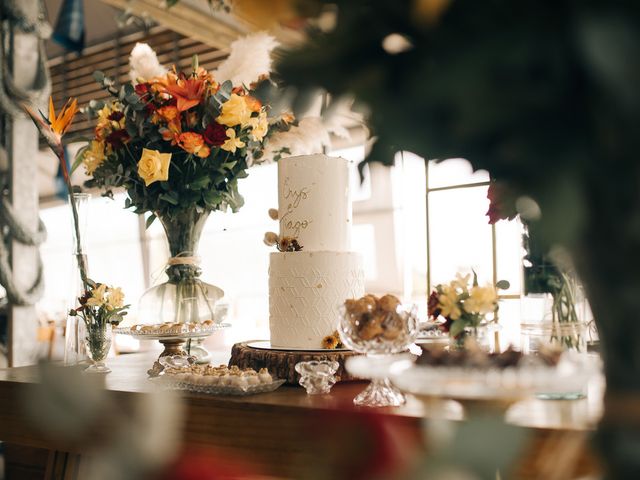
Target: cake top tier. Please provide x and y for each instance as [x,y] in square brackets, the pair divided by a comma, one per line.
[314,202]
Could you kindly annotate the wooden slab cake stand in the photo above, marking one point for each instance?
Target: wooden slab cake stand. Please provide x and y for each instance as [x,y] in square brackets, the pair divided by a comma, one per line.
[282,363]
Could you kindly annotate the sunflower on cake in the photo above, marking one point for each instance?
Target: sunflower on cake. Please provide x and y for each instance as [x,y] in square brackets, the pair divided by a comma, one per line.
[313,272]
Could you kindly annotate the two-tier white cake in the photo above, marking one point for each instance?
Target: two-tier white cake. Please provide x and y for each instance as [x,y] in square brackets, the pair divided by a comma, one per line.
[306,288]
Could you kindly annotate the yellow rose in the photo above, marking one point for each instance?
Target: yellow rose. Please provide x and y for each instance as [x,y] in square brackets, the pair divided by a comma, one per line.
[235,111]
[153,166]
[116,298]
[481,300]
[259,127]
[93,156]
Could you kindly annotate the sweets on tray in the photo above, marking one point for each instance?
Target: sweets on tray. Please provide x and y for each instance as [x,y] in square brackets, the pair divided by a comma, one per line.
[170,328]
[221,375]
[374,317]
[477,358]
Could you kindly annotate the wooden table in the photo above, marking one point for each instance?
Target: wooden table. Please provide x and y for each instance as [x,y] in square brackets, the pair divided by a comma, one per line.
[286,433]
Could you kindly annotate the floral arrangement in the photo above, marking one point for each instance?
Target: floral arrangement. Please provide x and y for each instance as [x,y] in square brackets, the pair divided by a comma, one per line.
[181,139]
[100,305]
[463,304]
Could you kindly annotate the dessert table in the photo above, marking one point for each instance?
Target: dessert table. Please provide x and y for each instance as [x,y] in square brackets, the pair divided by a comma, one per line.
[272,432]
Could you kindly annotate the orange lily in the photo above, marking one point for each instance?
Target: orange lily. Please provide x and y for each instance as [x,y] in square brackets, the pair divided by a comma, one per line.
[187,91]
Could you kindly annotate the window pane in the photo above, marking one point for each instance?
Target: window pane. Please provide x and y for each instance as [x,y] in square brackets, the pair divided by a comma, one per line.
[459,235]
[360,191]
[113,250]
[454,171]
[509,253]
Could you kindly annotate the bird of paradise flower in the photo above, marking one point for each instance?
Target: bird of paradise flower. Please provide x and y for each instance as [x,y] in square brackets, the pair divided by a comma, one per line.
[53,129]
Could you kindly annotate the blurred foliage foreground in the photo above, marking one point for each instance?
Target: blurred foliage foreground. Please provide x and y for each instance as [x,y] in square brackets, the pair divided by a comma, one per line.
[545,95]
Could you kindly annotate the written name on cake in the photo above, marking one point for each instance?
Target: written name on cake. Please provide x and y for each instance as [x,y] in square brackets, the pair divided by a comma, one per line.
[294,198]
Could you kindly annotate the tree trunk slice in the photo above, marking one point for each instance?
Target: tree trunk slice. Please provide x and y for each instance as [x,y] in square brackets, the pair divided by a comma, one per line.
[281,364]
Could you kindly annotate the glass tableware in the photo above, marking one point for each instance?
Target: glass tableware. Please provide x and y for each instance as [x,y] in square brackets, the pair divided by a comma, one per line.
[184,297]
[75,331]
[172,339]
[379,334]
[491,386]
[317,376]
[98,343]
[167,382]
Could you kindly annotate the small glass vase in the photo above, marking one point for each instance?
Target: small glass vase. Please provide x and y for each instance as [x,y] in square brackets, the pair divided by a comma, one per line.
[482,336]
[74,346]
[98,343]
[317,376]
[184,297]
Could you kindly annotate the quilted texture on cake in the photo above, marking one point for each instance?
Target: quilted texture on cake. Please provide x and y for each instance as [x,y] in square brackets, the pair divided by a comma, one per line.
[306,290]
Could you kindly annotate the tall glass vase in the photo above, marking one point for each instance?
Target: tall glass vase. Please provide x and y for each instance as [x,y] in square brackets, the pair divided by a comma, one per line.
[74,345]
[184,297]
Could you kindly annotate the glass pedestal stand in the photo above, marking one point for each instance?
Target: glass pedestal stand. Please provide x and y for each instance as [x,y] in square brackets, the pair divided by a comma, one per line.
[172,347]
[173,342]
[197,350]
[380,393]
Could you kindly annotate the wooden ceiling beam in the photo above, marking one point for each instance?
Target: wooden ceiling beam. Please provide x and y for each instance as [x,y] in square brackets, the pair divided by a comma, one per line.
[196,20]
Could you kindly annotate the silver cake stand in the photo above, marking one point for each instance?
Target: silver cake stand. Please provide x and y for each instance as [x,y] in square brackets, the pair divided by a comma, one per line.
[172,342]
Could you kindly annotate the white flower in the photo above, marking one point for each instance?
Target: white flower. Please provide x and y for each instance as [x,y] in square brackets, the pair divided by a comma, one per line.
[308,137]
[143,63]
[249,59]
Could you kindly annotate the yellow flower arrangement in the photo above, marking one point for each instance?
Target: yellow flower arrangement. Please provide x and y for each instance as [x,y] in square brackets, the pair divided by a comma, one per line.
[463,305]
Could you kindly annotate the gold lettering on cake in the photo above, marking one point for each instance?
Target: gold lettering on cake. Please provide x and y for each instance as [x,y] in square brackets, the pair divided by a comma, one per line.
[294,198]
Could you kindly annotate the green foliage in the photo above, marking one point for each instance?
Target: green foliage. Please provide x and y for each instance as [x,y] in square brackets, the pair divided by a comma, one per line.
[539,93]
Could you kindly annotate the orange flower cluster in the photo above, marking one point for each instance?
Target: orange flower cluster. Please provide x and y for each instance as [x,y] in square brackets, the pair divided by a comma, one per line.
[173,103]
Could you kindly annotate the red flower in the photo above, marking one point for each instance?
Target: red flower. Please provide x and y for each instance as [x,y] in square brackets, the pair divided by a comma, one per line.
[116,116]
[150,108]
[215,134]
[446,326]
[432,305]
[502,203]
[117,138]
[141,89]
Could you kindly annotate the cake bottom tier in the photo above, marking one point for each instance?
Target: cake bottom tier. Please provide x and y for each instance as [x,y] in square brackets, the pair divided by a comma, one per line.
[306,290]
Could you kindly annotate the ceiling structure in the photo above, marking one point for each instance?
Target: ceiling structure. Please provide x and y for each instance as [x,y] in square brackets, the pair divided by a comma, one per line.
[191,18]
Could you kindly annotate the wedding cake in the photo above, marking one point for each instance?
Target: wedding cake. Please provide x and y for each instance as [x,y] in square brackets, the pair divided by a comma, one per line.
[307,287]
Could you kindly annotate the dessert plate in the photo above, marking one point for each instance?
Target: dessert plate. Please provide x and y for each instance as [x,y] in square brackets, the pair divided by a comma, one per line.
[266,345]
[490,384]
[174,384]
[171,335]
